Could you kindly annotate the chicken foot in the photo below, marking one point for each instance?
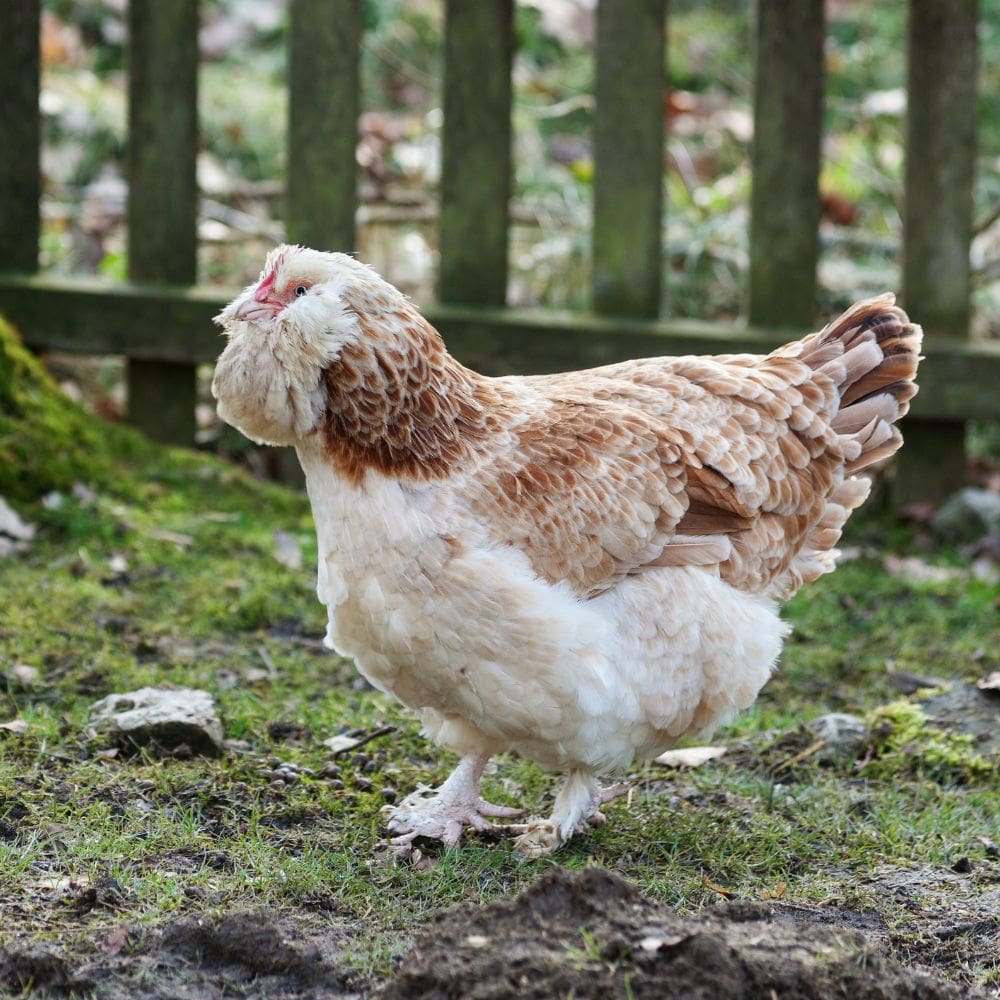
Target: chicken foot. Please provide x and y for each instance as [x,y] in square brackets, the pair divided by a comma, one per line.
[443,813]
[577,805]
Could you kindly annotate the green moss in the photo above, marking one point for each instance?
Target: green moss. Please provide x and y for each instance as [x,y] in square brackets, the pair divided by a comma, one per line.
[907,743]
[46,441]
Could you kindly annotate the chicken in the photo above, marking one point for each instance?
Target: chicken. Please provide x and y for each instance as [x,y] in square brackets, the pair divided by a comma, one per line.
[581,568]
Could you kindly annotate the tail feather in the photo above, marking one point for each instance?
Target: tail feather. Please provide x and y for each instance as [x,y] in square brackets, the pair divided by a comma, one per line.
[871,354]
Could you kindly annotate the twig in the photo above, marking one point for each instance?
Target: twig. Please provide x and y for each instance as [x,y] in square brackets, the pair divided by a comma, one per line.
[801,756]
[362,740]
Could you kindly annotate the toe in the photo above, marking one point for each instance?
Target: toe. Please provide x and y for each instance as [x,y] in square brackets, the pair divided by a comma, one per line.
[501,812]
[614,791]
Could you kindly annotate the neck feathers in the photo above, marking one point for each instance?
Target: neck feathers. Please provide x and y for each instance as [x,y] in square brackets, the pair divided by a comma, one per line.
[399,405]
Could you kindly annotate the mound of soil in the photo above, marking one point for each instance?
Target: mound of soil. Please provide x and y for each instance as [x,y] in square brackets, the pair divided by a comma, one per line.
[590,934]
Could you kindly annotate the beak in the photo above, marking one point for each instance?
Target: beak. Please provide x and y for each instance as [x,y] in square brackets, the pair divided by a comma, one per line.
[251,309]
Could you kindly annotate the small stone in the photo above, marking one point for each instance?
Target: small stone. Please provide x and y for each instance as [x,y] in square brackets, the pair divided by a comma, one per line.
[363,784]
[168,718]
[844,736]
[329,771]
[387,793]
[336,784]
[359,760]
[277,785]
[369,767]
[962,866]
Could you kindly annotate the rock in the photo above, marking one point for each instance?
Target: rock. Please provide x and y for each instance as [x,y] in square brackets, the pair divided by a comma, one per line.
[169,718]
[963,707]
[839,729]
[970,513]
[844,734]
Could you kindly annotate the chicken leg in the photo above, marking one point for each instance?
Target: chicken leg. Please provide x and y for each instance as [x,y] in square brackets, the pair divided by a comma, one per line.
[442,813]
[577,805]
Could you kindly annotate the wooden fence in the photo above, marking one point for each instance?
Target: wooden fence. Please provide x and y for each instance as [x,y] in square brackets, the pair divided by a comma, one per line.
[160,319]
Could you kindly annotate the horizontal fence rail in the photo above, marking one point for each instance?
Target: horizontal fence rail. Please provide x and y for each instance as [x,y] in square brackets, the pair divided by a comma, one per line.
[161,320]
[958,380]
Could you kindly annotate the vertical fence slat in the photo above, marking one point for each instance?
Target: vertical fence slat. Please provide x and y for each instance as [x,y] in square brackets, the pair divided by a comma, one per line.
[476,151]
[784,204]
[323,106]
[937,217]
[628,157]
[163,193]
[19,135]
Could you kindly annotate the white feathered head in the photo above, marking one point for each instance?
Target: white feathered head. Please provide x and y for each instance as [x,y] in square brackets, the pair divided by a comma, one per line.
[284,332]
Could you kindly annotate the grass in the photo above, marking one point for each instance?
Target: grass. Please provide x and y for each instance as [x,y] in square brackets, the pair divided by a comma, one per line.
[219,613]
[89,839]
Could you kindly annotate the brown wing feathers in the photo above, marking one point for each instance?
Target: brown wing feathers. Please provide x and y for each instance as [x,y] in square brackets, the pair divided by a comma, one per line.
[739,462]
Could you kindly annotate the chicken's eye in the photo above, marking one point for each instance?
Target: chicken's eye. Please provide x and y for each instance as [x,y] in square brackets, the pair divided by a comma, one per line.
[301,290]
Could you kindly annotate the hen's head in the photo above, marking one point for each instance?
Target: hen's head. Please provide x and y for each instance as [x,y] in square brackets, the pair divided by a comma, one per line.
[286,330]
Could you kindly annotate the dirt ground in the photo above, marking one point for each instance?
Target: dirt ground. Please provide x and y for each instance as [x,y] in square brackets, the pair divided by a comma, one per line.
[580,934]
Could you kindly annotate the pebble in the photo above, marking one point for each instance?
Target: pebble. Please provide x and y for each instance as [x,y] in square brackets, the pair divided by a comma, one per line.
[387,793]
[363,784]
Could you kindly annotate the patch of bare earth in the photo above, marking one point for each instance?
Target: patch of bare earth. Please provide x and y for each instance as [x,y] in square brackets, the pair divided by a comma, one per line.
[241,954]
[580,934]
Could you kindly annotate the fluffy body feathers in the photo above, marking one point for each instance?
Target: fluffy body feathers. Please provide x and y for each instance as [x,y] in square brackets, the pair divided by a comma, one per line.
[579,567]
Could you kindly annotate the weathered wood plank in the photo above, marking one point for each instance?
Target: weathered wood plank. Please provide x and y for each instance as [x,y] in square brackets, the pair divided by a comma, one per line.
[628,157]
[19,135]
[784,204]
[163,194]
[475,151]
[324,44]
[942,54]
[958,378]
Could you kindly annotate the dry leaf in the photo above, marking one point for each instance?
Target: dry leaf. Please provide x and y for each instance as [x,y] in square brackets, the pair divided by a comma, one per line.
[914,570]
[689,756]
[17,726]
[776,893]
[707,883]
[287,550]
[340,744]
